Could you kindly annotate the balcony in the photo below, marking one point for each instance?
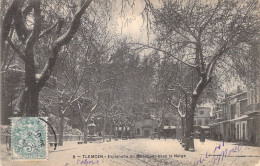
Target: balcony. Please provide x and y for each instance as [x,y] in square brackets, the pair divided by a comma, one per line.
[251,108]
[220,119]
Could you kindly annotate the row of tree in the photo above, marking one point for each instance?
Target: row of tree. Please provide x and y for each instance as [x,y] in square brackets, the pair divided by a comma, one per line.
[92,70]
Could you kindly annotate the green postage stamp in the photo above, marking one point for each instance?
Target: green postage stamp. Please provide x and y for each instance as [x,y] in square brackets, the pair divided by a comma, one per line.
[29,138]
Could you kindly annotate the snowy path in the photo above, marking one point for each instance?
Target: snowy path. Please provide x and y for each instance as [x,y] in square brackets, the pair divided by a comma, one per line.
[157,152]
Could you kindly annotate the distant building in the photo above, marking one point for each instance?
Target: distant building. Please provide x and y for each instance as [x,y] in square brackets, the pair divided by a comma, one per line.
[145,127]
[201,120]
[202,116]
[169,131]
[237,118]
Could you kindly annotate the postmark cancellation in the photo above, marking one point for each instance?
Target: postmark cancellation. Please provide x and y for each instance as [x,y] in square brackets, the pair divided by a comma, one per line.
[29,138]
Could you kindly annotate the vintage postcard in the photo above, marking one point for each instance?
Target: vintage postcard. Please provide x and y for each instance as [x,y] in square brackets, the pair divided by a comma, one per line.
[130,82]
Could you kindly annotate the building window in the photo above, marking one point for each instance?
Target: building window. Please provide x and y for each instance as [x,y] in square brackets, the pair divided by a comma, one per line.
[225,109]
[237,129]
[244,131]
[233,111]
[199,122]
[138,131]
[201,112]
[155,129]
[195,122]
[243,105]
[206,121]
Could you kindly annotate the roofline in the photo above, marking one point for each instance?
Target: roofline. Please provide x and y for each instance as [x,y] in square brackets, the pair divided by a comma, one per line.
[235,95]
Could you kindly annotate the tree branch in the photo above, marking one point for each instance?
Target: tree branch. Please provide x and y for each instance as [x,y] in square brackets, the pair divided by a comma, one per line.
[7,22]
[79,84]
[28,9]
[178,108]
[211,64]
[20,25]
[47,31]
[186,25]
[16,49]
[210,18]
[37,26]
[64,39]
[182,88]
[157,49]
[64,111]
[61,41]
[90,113]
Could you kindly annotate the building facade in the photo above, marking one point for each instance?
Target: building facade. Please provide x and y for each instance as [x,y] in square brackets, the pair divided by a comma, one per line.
[202,116]
[237,118]
[145,127]
[201,120]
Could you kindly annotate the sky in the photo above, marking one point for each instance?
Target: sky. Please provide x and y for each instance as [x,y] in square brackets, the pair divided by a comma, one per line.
[130,23]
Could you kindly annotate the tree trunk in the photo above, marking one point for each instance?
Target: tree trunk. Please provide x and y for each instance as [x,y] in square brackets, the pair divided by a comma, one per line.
[32,103]
[104,128]
[4,102]
[159,131]
[131,132]
[61,130]
[160,127]
[85,130]
[115,130]
[123,131]
[182,129]
[189,135]
[110,134]
[189,124]
[28,102]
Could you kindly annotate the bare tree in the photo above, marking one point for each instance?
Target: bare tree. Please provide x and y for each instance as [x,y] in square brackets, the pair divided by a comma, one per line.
[85,119]
[180,96]
[201,35]
[19,14]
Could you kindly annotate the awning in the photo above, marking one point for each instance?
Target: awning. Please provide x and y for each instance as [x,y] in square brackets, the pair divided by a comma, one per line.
[251,112]
[92,124]
[239,118]
[243,117]
[218,123]
[169,127]
[204,127]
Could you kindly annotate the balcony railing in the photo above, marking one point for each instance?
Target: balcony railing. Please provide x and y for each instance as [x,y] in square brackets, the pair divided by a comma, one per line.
[251,108]
[220,119]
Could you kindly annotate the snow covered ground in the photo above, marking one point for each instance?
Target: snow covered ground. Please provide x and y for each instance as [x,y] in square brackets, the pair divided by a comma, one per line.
[144,152]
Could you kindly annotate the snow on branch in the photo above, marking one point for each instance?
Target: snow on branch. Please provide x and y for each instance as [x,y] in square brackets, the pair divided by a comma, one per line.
[166,52]
[61,41]
[177,107]
[65,38]
[16,49]
[49,29]
[7,22]
[37,25]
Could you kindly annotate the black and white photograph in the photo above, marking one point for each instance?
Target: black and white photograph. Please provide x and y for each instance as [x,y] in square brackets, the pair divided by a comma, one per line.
[130,82]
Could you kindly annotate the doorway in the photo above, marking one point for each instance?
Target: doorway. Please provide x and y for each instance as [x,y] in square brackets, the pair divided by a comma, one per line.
[146,133]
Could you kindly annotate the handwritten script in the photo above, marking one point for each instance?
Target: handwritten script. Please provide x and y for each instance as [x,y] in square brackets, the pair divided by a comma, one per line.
[220,152]
[87,162]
